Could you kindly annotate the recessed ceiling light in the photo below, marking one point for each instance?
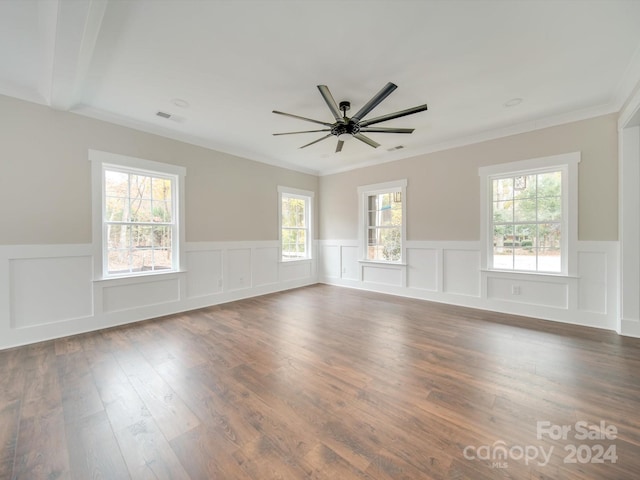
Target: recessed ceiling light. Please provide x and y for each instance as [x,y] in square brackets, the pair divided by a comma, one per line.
[178,102]
[513,102]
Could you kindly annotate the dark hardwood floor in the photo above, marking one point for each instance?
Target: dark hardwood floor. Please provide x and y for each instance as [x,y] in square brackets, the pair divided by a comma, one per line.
[324,382]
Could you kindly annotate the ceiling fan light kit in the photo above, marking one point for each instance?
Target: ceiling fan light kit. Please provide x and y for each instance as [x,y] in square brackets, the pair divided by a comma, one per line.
[352,127]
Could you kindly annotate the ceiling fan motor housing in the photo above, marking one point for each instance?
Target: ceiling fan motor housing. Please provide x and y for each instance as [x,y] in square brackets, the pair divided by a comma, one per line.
[341,128]
[346,126]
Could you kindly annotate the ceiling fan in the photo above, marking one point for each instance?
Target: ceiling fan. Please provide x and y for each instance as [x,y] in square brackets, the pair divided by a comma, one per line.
[345,127]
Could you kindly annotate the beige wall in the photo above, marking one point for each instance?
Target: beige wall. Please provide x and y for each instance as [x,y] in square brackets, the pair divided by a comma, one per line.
[45,181]
[45,189]
[443,192]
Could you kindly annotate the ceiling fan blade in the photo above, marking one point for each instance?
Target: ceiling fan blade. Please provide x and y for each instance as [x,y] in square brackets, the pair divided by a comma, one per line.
[366,140]
[339,146]
[373,103]
[386,130]
[331,103]
[306,131]
[391,116]
[316,141]
[302,118]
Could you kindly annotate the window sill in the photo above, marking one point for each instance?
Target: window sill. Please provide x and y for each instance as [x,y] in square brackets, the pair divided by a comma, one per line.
[532,274]
[139,277]
[296,260]
[380,262]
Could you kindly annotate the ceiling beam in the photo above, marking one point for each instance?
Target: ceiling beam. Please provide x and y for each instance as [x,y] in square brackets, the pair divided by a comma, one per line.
[69,48]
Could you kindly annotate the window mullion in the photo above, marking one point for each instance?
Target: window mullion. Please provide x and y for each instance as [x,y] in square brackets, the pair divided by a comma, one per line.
[130,248]
[537,248]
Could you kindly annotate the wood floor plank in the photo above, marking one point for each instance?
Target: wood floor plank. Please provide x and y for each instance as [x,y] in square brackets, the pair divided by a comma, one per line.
[80,397]
[169,411]
[211,408]
[93,449]
[409,437]
[319,383]
[324,463]
[237,413]
[12,374]
[42,392]
[147,453]
[205,453]
[387,466]
[9,422]
[285,428]
[123,405]
[68,345]
[40,450]
[263,459]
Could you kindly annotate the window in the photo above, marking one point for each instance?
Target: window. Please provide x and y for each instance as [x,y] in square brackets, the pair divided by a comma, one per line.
[295,223]
[138,215]
[383,213]
[138,218]
[529,225]
[527,222]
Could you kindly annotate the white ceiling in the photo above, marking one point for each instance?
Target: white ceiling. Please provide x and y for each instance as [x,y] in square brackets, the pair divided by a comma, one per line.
[236,61]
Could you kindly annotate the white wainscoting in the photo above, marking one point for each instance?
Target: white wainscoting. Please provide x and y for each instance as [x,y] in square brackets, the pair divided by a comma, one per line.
[450,272]
[49,291]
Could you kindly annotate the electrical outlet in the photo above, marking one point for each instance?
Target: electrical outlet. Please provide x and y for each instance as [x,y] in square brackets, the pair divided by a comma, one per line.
[219,282]
[515,289]
[241,280]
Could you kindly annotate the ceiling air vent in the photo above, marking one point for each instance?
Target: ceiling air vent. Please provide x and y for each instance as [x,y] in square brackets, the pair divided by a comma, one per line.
[395,148]
[163,114]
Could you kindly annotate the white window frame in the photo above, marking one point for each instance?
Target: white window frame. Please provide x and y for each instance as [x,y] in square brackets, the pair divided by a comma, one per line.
[101,161]
[568,164]
[308,197]
[364,192]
